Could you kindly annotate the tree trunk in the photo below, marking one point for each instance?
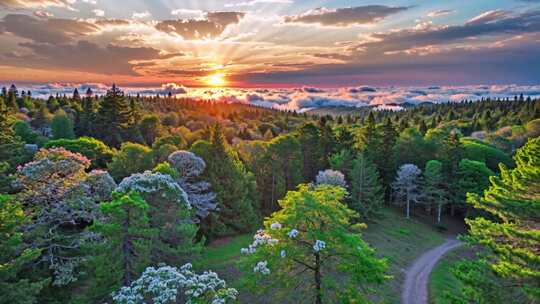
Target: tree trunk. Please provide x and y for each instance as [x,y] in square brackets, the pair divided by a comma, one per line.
[439,214]
[408,205]
[318,279]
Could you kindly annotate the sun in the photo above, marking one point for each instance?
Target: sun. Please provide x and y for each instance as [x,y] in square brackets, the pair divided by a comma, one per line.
[216,80]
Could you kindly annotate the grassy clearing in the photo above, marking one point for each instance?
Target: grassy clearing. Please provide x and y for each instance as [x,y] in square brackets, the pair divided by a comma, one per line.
[441,280]
[401,241]
[394,237]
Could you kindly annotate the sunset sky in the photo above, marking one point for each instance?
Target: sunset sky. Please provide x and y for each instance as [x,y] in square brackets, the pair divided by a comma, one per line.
[270,43]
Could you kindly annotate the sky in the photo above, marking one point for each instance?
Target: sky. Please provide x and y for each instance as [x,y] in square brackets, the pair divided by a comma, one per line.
[270,43]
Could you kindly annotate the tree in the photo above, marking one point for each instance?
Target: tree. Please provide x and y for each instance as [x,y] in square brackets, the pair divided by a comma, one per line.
[61,198]
[367,195]
[307,245]
[433,187]
[62,126]
[312,151]
[186,170]
[410,148]
[87,116]
[124,251]
[15,256]
[113,117]
[406,185]
[150,128]
[233,184]
[384,159]
[473,177]
[169,285]
[331,177]
[95,150]
[510,234]
[132,158]
[170,214]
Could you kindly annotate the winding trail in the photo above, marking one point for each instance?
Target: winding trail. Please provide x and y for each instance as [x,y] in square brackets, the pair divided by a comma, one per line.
[415,288]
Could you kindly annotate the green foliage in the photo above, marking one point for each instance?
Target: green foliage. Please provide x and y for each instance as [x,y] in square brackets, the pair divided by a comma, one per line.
[473,177]
[434,187]
[125,249]
[513,201]
[313,155]
[234,185]
[479,151]
[62,126]
[367,195]
[114,118]
[165,145]
[93,149]
[150,128]
[410,148]
[25,132]
[15,256]
[342,160]
[308,251]
[132,158]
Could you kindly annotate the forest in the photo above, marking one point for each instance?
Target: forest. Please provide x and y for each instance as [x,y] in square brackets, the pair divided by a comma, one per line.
[130,199]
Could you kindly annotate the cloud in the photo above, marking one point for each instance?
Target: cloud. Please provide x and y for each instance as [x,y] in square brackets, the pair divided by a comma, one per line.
[17,4]
[488,24]
[140,15]
[46,30]
[440,13]
[109,60]
[344,17]
[257,2]
[43,14]
[191,29]
[489,16]
[98,12]
[187,12]
[166,88]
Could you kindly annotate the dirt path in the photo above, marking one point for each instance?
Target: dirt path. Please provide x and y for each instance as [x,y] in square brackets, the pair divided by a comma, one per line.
[415,288]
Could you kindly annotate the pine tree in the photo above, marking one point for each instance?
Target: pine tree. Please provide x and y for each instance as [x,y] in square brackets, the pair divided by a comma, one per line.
[384,159]
[309,137]
[62,126]
[15,256]
[433,187]
[511,232]
[234,185]
[125,251]
[113,117]
[367,195]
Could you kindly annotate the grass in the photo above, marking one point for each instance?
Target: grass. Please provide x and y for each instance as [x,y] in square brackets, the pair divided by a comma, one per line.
[394,237]
[441,280]
[401,241]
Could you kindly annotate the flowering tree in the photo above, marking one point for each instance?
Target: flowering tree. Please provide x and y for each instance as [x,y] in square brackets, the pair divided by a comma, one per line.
[307,243]
[189,167]
[170,213]
[406,184]
[331,177]
[169,285]
[62,199]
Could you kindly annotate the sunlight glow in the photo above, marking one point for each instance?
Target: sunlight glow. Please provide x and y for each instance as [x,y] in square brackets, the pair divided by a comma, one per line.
[216,80]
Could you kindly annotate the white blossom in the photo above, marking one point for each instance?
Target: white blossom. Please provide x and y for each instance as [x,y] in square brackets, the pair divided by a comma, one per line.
[319,245]
[275,226]
[262,267]
[260,238]
[293,233]
[331,177]
[163,285]
[283,253]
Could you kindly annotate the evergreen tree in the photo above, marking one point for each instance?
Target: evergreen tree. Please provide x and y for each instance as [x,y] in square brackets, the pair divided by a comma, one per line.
[384,158]
[62,126]
[433,187]
[113,118]
[510,234]
[125,250]
[367,195]
[233,184]
[309,137]
[87,117]
[15,256]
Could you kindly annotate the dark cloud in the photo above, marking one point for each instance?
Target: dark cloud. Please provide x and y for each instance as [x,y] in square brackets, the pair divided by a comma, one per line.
[192,29]
[345,16]
[86,56]
[52,30]
[486,25]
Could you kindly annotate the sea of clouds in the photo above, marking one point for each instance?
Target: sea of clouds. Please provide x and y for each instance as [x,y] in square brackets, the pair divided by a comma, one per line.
[306,98]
